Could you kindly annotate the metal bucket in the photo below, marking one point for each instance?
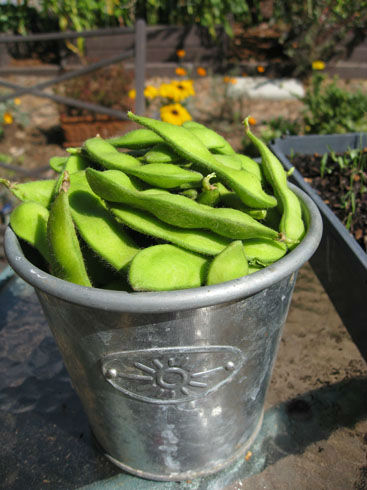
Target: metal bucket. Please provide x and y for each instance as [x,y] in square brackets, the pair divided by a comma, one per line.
[173,383]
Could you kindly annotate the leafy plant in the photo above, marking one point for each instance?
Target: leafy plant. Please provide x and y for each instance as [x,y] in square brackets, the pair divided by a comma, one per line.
[331,109]
[353,165]
[319,29]
[11,113]
[108,87]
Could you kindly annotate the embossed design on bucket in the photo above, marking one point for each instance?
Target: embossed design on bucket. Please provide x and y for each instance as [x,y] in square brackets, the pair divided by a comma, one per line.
[172,375]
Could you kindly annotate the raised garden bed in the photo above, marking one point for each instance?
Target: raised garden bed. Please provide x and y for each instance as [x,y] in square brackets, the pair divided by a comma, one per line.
[340,262]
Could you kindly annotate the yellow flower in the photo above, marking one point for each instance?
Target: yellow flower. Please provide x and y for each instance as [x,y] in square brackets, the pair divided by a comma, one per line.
[132,94]
[17,101]
[181,53]
[150,92]
[7,118]
[175,114]
[201,71]
[180,71]
[318,65]
[168,91]
[260,69]
[177,90]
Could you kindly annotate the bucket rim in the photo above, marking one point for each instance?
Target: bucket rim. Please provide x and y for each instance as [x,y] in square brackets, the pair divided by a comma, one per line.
[169,301]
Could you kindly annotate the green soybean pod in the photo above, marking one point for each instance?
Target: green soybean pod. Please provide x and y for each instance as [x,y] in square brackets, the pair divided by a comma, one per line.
[229,161]
[178,210]
[161,153]
[65,255]
[136,139]
[166,175]
[97,227]
[263,251]
[29,222]
[199,241]
[106,155]
[250,165]
[40,191]
[165,268]
[182,140]
[57,163]
[230,199]
[291,223]
[230,264]
[252,268]
[210,138]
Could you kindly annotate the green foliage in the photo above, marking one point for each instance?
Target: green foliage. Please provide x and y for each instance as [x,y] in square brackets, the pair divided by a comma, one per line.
[208,13]
[11,113]
[317,29]
[331,109]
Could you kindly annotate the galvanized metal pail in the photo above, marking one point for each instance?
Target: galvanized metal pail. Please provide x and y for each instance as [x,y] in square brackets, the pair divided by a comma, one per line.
[173,383]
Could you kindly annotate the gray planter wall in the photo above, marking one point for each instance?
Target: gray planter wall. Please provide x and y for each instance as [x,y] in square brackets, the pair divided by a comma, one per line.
[339,262]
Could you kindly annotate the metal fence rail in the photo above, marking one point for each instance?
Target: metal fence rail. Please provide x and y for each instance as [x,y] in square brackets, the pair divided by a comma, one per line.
[138,53]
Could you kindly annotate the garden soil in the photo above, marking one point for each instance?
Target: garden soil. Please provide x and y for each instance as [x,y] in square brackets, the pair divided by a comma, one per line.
[318,368]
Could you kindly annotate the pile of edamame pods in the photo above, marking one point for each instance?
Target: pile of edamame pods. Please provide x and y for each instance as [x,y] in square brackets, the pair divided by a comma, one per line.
[162,207]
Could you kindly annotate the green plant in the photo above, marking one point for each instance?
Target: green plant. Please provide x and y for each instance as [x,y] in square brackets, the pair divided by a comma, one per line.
[108,87]
[11,113]
[331,109]
[352,165]
[319,29]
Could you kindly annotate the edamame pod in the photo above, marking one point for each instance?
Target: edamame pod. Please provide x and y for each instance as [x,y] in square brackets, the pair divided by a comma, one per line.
[230,264]
[199,241]
[66,258]
[210,138]
[29,222]
[250,165]
[179,210]
[57,163]
[229,161]
[106,155]
[136,139]
[291,223]
[263,251]
[163,175]
[230,199]
[190,147]
[161,153]
[40,191]
[165,268]
[96,225]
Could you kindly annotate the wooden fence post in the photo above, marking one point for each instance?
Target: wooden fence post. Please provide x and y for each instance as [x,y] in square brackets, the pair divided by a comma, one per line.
[140,60]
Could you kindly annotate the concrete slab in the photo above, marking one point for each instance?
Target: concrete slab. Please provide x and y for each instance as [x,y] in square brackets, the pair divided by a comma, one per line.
[266,88]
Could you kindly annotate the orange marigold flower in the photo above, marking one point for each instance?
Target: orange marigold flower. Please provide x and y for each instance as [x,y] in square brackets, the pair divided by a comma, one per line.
[252,120]
[180,71]
[260,69]
[244,75]
[201,71]
[17,101]
[7,118]
[181,53]
[228,79]
[132,93]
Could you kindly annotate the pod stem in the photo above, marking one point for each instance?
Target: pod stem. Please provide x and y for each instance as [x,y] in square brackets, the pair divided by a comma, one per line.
[206,185]
[65,184]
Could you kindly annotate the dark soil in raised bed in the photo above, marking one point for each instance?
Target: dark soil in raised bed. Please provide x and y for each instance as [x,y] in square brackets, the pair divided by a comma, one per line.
[333,186]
